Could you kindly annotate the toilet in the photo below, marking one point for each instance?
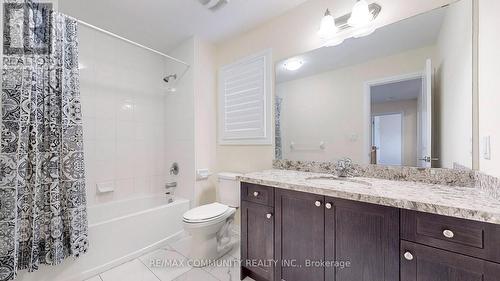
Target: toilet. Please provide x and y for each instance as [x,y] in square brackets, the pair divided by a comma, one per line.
[209,224]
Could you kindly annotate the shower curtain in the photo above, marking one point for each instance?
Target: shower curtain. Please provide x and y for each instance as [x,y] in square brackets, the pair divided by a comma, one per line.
[278,151]
[43,216]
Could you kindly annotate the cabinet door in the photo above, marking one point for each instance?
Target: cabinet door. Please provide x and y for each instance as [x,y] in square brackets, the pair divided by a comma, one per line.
[257,240]
[422,263]
[366,236]
[300,236]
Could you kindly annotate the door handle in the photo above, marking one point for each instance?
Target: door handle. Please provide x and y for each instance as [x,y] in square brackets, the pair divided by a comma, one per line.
[255,194]
[269,216]
[328,206]
[318,203]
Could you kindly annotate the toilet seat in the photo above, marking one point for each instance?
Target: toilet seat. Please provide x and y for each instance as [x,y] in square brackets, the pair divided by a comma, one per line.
[206,213]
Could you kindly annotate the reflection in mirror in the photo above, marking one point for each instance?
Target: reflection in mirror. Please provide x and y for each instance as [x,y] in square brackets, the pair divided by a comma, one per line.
[401,96]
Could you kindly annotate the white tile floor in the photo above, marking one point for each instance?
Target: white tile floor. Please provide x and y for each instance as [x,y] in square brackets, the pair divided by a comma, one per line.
[145,269]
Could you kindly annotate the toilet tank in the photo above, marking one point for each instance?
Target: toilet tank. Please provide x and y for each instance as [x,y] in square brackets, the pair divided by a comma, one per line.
[229,189]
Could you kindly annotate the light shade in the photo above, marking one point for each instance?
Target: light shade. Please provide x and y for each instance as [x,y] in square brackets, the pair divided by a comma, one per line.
[364,31]
[293,64]
[335,41]
[360,15]
[327,28]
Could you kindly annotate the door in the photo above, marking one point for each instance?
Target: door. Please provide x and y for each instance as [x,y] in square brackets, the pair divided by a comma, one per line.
[425,122]
[300,236]
[388,138]
[422,263]
[257,240]
[366,236]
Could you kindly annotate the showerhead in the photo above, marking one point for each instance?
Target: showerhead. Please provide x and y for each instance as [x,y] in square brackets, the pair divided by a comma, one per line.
[168,78]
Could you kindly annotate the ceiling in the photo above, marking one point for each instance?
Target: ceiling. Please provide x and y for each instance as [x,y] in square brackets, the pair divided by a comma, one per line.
[398,91]
[416,32]
[164,24]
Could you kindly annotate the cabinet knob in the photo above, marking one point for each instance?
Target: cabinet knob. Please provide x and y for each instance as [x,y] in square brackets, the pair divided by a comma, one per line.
[318,203]
[328,206]
[268,216]
[408,256]
[256,193]
[448,233]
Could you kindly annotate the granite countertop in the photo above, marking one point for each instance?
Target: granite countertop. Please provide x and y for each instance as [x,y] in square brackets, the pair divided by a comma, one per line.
[461,202]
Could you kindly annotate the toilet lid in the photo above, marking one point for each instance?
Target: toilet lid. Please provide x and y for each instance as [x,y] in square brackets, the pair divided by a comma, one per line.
[206,212]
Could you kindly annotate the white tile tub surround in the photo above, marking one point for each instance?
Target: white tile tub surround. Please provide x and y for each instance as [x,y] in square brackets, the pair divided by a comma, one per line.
[123,103]
[180,124]
[119,232]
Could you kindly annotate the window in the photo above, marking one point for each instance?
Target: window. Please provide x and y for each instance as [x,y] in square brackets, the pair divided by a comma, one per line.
[245,101]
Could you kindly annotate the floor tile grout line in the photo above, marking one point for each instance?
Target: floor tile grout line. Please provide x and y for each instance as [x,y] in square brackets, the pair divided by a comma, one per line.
[139,259]
[209,273]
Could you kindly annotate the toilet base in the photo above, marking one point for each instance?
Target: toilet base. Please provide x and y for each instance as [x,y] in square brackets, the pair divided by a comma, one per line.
[210,242]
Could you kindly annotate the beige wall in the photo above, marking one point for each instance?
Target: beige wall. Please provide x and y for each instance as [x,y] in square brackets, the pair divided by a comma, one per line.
[205,119]
[409,110]
[489,88]
[330,106]
[454,87]
[292,33]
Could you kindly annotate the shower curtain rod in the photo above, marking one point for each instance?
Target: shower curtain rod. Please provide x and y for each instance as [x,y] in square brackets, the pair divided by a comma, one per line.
[131,42]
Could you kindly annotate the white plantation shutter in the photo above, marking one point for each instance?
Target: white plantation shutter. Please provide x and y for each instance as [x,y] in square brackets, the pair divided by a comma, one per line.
[244,101]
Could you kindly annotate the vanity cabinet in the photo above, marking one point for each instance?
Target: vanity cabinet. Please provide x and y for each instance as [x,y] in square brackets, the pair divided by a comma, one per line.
[367,236]
[311,232]
[471,238]
[316,238]
[440,248]
[300,235]
[423,263]
[257,240]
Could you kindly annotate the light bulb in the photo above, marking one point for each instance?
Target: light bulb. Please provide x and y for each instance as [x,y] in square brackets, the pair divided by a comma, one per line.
[327,28]
[293,64]
[360,15]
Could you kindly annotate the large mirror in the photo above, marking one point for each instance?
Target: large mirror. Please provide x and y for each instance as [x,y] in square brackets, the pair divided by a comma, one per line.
[401,96]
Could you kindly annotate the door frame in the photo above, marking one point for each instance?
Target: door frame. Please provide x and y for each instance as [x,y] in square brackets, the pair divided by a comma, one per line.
[367,104]
[400,113]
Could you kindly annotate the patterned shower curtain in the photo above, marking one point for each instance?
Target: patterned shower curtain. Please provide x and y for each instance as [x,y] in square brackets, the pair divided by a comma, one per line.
[43,216]
[278,150]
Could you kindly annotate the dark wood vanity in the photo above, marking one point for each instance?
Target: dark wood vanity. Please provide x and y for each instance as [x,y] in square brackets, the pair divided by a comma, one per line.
[315,238]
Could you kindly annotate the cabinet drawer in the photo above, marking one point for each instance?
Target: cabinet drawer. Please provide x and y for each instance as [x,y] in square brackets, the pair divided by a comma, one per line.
[257,193]
[422,263]
[466,237]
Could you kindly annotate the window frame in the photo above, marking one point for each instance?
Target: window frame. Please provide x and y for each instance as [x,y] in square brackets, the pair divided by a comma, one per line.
[268,138]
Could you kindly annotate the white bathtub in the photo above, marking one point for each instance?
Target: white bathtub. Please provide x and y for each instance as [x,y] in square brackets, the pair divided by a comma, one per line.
[119,232]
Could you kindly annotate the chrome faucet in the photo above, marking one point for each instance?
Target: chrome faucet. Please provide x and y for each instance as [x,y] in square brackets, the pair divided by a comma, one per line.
[344,168]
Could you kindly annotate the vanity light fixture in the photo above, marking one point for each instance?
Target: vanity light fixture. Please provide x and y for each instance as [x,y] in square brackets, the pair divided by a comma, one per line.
[360,21]
[360,15]
[334,41]
[328,28]
[293,64]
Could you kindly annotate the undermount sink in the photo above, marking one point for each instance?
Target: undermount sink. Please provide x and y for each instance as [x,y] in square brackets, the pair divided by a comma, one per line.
[336,180]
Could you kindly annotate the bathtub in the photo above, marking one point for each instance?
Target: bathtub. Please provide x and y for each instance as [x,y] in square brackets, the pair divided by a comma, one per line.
[119,232]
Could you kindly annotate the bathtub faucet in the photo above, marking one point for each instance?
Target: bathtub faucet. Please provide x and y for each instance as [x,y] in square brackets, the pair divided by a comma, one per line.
[170,190]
